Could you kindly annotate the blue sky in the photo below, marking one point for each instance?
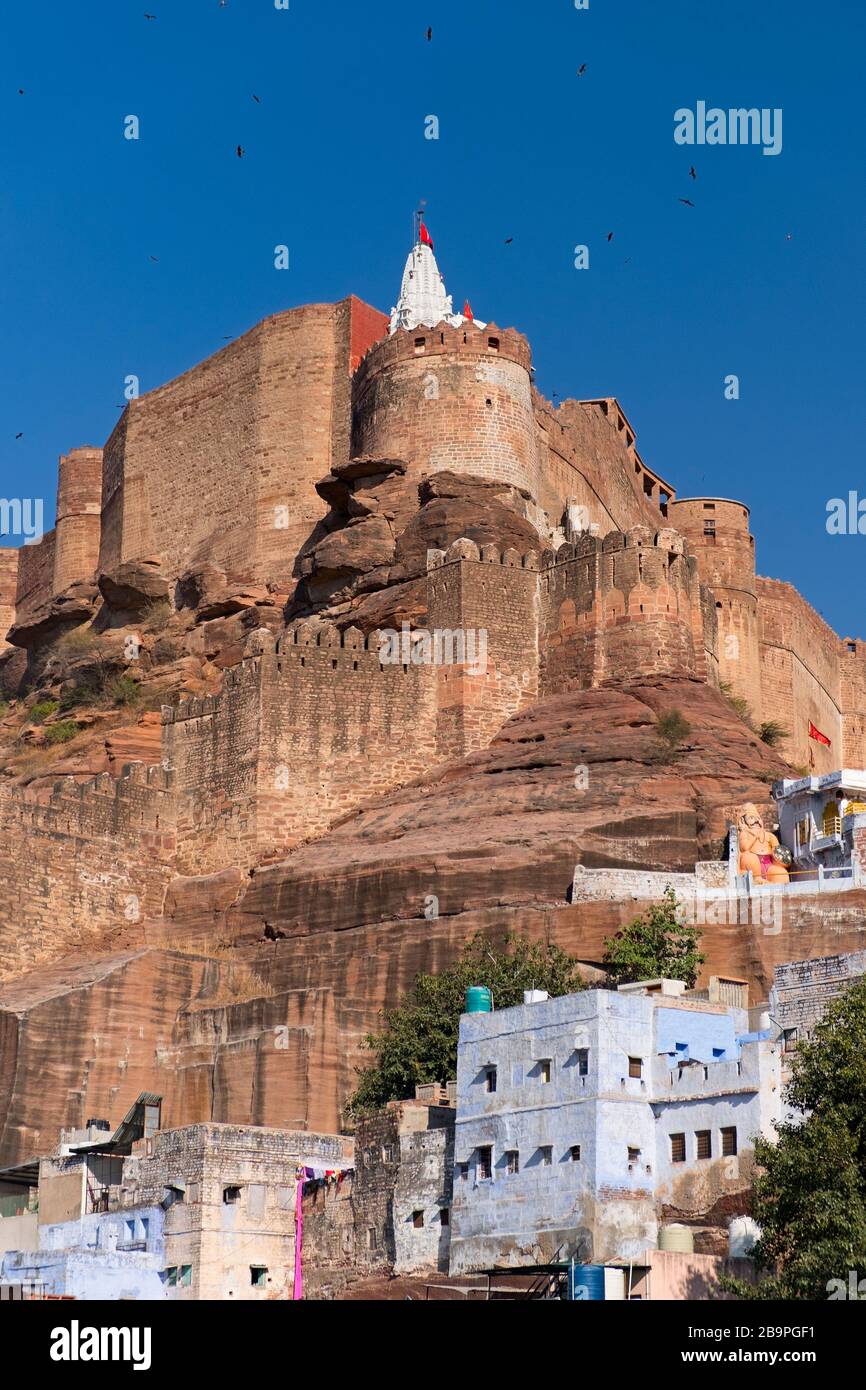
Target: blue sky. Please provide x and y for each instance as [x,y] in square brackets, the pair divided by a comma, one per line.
[336,159]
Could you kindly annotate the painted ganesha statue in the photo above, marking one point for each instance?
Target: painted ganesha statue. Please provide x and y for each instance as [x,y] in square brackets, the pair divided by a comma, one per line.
[761,854]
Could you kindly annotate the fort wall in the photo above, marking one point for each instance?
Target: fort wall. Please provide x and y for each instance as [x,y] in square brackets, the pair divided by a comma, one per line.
[588,458]
[79,860]
[614,607]
[221,462]
[717,531]
[79,497]
[8,590]
[801,678]
[35,576]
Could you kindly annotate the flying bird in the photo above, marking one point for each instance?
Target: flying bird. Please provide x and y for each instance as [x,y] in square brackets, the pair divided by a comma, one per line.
[150,16]
[789,236]
[20,435]
[693,173]
[258,99]
[688,202]
[240,151]
[610,236]
[154,258]
[581,70]
[21,91]
[429,35]
[508,240]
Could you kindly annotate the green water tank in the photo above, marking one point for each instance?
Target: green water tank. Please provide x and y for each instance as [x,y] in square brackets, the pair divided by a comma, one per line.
[479,1000]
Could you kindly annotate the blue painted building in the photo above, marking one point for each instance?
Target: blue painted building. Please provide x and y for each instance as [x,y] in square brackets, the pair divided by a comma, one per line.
[581,1119]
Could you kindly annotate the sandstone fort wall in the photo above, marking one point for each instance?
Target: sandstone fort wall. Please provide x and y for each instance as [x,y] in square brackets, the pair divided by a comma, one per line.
[79,860]
[220,463]
[8,590]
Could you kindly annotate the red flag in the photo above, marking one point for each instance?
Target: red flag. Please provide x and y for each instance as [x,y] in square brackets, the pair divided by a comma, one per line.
[817,735]
[426,239]
[467,312]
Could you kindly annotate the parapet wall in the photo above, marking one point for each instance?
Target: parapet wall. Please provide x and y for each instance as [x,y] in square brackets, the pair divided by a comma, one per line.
[620,607]
[79,860]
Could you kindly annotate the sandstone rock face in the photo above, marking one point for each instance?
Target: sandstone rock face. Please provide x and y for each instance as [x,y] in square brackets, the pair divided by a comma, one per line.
[133,585]
[76,605]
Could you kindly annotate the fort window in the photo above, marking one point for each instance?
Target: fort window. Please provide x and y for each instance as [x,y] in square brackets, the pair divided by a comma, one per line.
[678,1148]
[709,506]
[704,1143]
[582,1055]
[512,1161]
[729,1142]
[372,1239]
[170,1276]
[544,1072]
[445,1216]
[463,1171]
[420,344]
[418,1220]
[635,1066]
[258,1276]
[789,1036]
[574,1153]
[185,1278]
[546,1153]
[647,485]
[484,1163]
[231,1195]
[633,1155]
[490,1079]
[387,1153]
[488,401]
[710,532]
[493,344]
[852,646]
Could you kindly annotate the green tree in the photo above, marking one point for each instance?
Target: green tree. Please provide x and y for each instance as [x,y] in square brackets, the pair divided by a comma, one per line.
[418,1042]
[655,945]
[673,729]
[810,1193]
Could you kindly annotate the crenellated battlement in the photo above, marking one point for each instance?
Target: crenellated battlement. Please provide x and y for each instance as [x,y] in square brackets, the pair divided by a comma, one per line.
[467,341]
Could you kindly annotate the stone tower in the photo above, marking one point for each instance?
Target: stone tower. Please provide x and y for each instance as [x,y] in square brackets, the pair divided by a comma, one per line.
[444,391]
[717,530]
[79,501]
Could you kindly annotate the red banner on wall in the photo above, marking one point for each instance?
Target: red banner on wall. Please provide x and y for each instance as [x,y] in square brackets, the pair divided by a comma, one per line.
[817,735]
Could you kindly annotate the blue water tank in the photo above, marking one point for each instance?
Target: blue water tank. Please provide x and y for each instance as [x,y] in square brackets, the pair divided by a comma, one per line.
[479,1000]
[586,1282]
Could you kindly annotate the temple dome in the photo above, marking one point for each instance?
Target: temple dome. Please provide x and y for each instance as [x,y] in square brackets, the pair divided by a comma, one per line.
[423,300]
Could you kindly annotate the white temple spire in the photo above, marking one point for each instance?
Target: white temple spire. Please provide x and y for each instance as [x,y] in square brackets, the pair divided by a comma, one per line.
[423,299]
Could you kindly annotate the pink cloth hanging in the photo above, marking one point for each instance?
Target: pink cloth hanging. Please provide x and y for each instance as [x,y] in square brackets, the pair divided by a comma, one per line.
[298,1280]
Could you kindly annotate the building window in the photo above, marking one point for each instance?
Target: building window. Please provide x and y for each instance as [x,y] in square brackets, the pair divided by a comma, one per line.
[387,1153]
[635,1066]
[574,1153]
[544,1069]
[170,1276]
[493,344]
[704,1143]
[633,1155]
[729,1141]
[484,1165]
[418,1220]
[231,1194]
[445,1216]
[789,1036]
[678,1148]
[582,1061]
[258,1276]
[512,1161]
[490,1079]
[185,1280]
[463,1171]
[372,1239]
[546,1155]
